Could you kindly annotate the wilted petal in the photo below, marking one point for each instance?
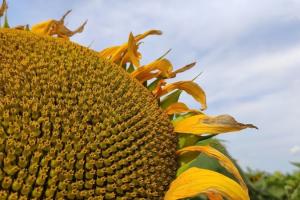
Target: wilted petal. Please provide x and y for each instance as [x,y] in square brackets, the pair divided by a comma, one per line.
[3,8]
[22,27]
[188,86]
[147,33]
[179,107]
[55,27]
[162,65]
[43,28]
[204,124]
[197,181]
[223,160]
[182,69]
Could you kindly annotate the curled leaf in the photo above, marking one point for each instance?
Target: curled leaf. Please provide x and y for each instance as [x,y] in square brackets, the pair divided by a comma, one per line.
[188,86]
[223,160]
[204,124]
[197,181]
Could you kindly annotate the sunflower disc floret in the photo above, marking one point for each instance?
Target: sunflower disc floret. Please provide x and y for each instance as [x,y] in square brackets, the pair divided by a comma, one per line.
[74,126]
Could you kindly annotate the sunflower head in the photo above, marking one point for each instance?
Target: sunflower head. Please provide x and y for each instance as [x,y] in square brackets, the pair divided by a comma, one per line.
[78,122]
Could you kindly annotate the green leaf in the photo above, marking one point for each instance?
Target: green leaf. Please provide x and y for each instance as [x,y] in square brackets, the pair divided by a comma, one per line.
[130,68]
[170,99]
[153,85]
[296,164]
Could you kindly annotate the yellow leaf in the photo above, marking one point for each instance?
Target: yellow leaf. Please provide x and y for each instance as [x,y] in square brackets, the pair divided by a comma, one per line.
[179,107]
[142,73]
[188,86]
[223,160]
[197,181]
[204,124]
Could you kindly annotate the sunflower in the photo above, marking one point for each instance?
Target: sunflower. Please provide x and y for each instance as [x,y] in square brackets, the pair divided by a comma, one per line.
[76,123]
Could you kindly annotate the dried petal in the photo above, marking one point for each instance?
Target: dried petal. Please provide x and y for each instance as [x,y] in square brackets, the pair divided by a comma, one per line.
[3,8]
[204,124]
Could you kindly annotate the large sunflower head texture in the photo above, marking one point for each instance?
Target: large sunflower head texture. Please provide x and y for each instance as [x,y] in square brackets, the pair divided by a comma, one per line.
[80,124]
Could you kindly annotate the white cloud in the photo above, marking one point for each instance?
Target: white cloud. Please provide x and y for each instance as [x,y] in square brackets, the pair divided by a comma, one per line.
[295,149]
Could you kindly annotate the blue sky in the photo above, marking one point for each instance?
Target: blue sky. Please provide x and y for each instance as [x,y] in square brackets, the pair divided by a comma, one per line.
[248,51]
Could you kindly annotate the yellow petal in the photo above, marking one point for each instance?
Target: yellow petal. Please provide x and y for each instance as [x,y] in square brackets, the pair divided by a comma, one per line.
[150,76]
[56,27]
[108,52]
[116,53]
[223,160]
[214,196]
[182,69]
[43,28]
[147,33]
[142,73]
[204,124]
[197,181]
[113,53]
[188,86]
[132,52]
[179,107]
[3,8]
[158,87]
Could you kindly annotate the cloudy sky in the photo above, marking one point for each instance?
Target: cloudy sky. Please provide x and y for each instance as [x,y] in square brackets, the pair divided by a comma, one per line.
[248,51]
